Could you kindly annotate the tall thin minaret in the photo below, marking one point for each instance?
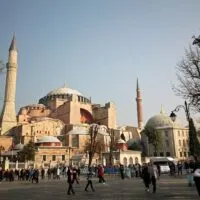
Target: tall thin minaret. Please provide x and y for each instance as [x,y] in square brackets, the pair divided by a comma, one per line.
[139,106]
[8,115]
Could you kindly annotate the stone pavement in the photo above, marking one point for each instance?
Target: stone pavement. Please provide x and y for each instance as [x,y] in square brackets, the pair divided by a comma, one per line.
[114,189]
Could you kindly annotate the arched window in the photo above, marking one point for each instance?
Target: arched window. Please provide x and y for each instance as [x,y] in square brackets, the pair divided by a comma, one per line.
[136,160]
[179,142]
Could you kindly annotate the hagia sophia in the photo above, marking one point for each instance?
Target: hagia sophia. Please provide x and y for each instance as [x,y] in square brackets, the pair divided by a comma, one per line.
[58,124]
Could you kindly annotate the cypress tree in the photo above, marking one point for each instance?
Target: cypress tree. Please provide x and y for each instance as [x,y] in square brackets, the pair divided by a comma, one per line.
[194,145]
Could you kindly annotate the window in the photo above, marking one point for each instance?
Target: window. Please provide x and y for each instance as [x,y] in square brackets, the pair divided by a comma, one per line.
[179,142]
[179,133]
[183,133]
[184,143]
[185,154]
[161,154]
[181,154]
[167,153]
[63,157]
[54,158]
[154,154]
[44,157]
[166,133]
[167,143]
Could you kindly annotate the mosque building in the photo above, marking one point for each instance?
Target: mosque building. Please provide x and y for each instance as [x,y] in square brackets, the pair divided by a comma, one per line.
[173,136]
[58,124]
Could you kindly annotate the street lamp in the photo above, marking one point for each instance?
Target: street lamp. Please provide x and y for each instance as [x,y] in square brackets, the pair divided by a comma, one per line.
[69,153]
[186,109]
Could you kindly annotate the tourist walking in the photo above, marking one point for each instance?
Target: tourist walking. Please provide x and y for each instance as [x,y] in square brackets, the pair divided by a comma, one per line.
[58,173]
[121,170]
[180,168]
[35,176]
[153,173]
[146,176]
[75,175]
[89,180]
[70,181]
[101,174]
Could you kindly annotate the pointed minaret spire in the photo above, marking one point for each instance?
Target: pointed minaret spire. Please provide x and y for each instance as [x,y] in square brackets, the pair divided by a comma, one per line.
[137,85]
[13,44]
[139,106]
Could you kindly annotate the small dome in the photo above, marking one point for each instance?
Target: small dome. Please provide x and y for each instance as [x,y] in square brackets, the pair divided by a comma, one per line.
[159,121]
[19,146]
[63,91]
[48,139]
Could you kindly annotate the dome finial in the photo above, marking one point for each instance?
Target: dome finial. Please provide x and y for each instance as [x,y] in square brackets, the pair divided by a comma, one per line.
[162,110]
[65,84]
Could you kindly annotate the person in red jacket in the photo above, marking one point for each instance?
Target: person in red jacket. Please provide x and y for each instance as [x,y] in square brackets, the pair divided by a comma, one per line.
[101,174]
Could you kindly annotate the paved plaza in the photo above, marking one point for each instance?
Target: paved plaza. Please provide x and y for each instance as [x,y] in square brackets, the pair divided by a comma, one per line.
[115,189]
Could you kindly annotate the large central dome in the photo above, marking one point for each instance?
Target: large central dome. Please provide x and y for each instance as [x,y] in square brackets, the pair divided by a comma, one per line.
[63,91]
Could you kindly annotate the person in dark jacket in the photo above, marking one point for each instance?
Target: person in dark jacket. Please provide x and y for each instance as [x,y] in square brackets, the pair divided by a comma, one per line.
[89,180]
[75,175]
[121,170]
[35,176]
[146,176]
[70,181]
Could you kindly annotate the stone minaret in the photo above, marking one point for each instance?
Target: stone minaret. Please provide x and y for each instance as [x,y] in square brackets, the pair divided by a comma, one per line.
[8,115]
[139,107]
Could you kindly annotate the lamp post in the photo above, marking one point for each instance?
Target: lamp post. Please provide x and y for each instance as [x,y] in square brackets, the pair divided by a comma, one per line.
[186,109]
[69,153]
[194,145]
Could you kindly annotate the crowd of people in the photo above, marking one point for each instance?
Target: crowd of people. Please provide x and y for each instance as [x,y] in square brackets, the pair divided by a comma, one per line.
[34,174]
[149,172]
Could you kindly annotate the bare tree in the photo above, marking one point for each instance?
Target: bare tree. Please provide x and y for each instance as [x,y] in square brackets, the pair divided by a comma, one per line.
[92,145]
[113,145]
[188,75]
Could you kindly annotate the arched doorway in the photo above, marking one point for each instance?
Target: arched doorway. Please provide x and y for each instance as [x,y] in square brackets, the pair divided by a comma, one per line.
[125,161]
[130,161]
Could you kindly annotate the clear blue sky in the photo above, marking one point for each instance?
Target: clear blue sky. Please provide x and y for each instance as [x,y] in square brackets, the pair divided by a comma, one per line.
[99,48]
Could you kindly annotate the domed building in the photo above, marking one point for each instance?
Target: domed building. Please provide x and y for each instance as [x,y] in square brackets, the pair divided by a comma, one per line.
[173,136]
[60,113]
[50,152]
